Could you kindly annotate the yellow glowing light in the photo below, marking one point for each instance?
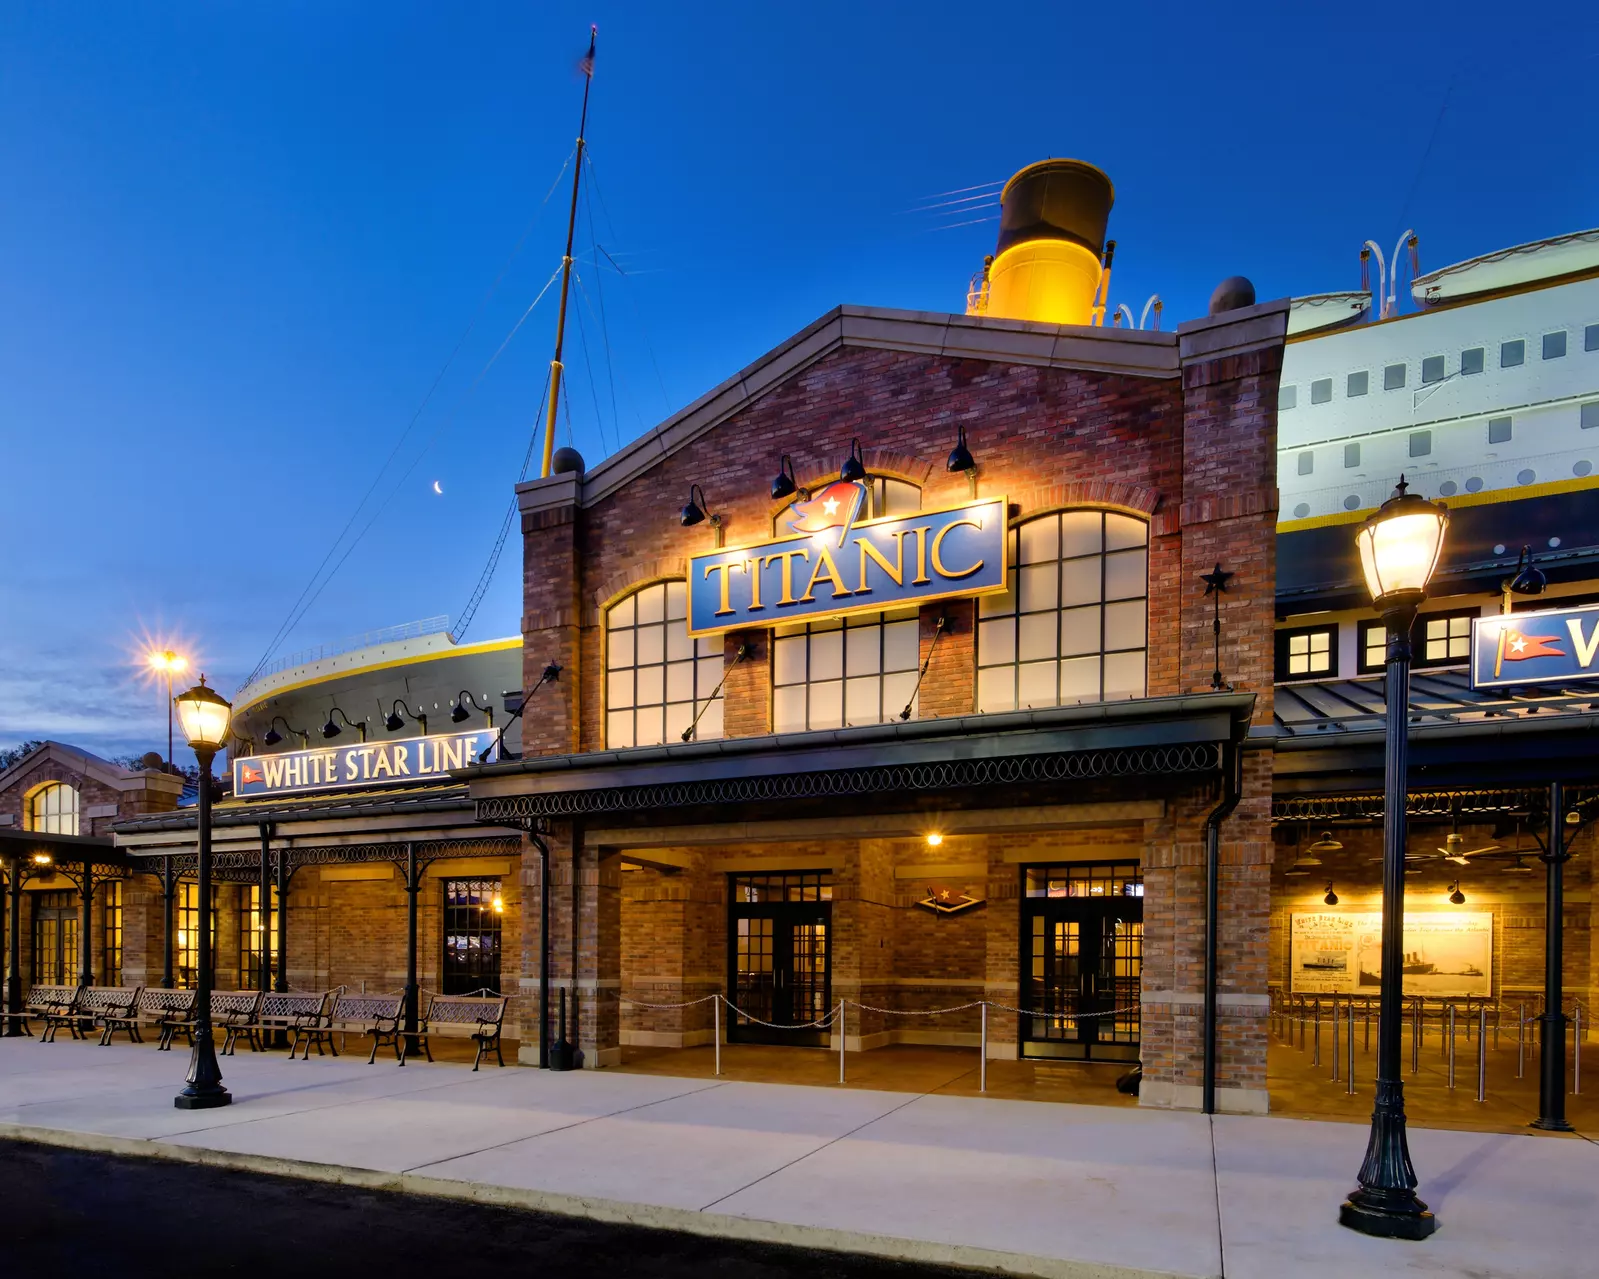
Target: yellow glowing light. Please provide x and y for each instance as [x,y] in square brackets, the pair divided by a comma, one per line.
[166,661]
[1400,546]
[499,904]
[934,839]
[41,859]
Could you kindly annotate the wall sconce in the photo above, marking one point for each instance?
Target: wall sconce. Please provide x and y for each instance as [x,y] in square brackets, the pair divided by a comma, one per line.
[330,730]
[394,722]
[934,839]
[854,467]
[1331,898]
[42,859]
[961,459]
[1455,895]
[696,513]
[460,714]
[499,904]
[784,484]
[273,737]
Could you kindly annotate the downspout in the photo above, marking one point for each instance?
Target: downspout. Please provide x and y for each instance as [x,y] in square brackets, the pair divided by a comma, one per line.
[1232,790]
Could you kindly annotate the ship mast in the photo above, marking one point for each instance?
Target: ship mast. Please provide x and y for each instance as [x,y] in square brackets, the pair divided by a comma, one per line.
[566,262]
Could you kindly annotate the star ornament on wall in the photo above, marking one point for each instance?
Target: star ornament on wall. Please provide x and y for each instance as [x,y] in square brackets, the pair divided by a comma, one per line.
[948,901]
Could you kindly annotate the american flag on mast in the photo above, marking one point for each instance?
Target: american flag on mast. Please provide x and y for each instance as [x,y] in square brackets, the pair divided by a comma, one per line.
[585,64]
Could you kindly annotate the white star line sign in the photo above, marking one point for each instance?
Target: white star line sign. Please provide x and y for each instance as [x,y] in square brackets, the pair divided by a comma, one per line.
[830,506]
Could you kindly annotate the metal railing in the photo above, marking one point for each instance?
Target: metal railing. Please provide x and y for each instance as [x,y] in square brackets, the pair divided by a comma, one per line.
[367,639]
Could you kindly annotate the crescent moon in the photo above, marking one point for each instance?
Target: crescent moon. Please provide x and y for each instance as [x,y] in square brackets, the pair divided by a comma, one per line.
[436,487]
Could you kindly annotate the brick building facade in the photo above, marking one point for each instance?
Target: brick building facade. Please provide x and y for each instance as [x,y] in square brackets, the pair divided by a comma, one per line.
[658,845]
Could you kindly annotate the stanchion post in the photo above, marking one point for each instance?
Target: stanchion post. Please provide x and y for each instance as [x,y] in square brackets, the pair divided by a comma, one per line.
[1349,1072]
[840,1041]
[1366,1045]
[982,1049]
[1415,1039]
[1315,1057]
[1521,1039]
[1450,1049]
[1302,1020]
[716,1030]
[1482,1053]
[1576,1049]
[1336,1053]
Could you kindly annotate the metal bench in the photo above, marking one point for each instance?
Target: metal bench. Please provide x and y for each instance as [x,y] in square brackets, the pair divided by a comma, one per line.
[290,1012]
[113,1007]
[44,1002]
[231,1011]
[168,1011]
[56,1006]
[375,1015]
[475,1017]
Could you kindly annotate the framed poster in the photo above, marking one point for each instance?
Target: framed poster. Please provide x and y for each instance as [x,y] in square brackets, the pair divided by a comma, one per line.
[1447,953]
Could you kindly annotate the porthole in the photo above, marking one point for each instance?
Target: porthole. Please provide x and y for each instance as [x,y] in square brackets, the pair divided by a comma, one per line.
[1553,543]
[1448,488]
[1499,548]
[1584,467]
[1526,476]
[1302,510]
[1474,484]
[1352,502]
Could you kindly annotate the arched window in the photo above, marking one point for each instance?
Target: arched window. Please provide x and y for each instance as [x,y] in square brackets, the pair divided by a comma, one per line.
[1072,626]
[656,678]
[53,809]
[884,496]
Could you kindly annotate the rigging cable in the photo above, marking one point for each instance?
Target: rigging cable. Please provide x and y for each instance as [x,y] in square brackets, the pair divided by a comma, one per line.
[287,626]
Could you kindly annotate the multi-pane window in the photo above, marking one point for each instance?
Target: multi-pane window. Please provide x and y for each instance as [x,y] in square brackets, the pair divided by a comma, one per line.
[657,679]
[1443,639]
[55,938]
[111,932]
[188,947]
[852,670]
[1071,627]
[473,910]
[53,809]
[1373,647]
[893,497]
[1307,653]
[784,886]
[256,928]
[1084,879]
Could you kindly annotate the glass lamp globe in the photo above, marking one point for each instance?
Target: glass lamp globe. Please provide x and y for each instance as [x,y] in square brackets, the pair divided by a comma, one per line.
[1400,547]
[205,716]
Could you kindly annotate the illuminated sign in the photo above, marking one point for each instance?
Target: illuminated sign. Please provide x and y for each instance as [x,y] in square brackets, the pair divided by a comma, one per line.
[359,765]
[1552,646]
[837,564]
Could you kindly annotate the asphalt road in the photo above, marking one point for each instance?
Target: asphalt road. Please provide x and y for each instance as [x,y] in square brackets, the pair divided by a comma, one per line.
[62,1209]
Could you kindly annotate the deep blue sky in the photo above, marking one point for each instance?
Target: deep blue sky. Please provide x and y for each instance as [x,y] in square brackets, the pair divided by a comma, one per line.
[238,242]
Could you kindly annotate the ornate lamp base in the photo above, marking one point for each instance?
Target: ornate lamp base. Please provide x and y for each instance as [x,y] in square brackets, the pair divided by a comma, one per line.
[1391,1220]
[203,1100]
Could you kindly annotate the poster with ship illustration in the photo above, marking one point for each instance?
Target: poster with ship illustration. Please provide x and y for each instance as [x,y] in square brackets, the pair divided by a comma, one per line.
[1446,953]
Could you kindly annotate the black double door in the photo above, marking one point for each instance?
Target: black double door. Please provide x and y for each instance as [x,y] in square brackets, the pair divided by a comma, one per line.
[1083,956]
[780,962]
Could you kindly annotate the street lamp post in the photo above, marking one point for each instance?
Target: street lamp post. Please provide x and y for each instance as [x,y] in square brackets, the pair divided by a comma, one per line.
[1399,549]
[169,664]
[205,717]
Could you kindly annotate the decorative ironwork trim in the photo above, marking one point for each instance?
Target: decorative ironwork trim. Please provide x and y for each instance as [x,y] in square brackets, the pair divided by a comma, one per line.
[1197,757]
[243,866]
[1440,803]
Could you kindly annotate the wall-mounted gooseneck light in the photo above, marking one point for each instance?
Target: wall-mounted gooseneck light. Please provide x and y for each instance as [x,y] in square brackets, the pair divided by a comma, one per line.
[854,467]
[394,721]
[330,730]
[783,484]
[1455,895]
[459,715]
[273,737]
[961,460]
[1331,898]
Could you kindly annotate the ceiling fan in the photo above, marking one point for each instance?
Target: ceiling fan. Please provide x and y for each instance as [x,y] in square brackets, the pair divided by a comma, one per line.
[1454,849]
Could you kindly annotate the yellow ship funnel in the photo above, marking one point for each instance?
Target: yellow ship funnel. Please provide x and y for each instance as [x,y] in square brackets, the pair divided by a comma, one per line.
[1047,265]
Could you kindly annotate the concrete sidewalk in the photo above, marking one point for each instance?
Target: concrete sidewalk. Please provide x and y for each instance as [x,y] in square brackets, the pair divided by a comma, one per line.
[1024,1187]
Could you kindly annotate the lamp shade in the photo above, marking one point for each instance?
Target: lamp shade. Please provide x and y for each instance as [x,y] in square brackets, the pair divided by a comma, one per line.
[205,716]
[1400,546]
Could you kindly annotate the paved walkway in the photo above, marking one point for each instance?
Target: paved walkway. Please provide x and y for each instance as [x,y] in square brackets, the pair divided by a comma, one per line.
[1031,1188]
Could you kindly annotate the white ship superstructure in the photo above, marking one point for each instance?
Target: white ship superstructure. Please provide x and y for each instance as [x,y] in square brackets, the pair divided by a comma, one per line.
[1489,392]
